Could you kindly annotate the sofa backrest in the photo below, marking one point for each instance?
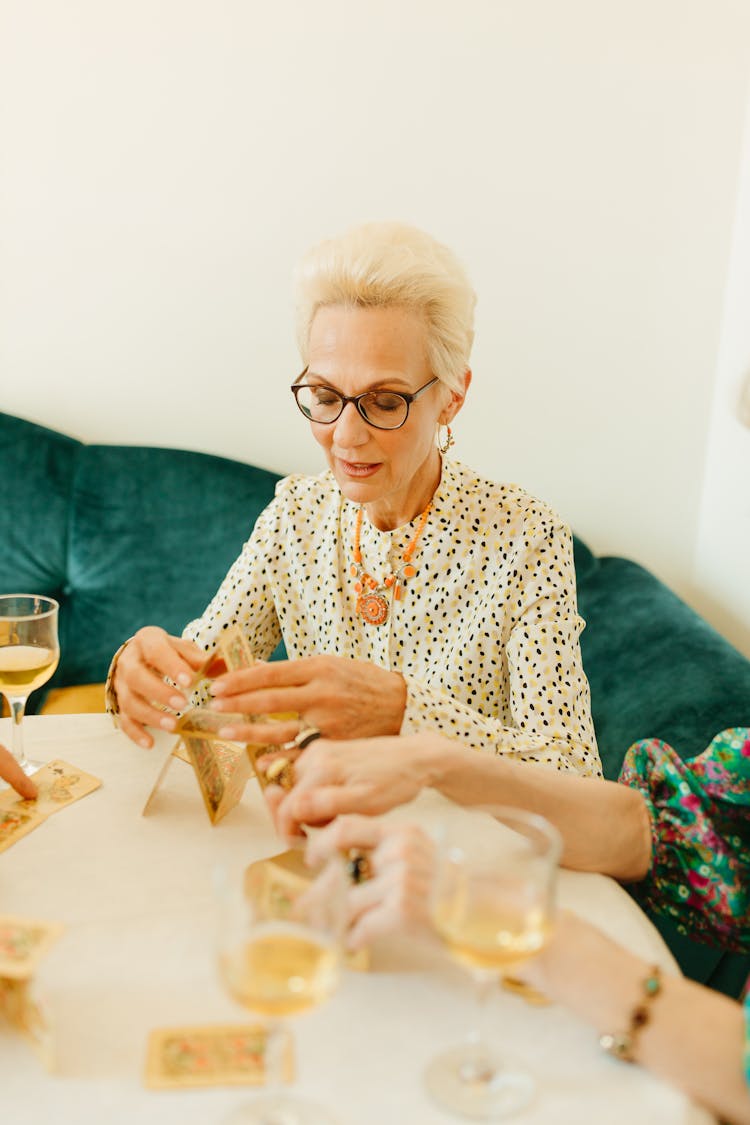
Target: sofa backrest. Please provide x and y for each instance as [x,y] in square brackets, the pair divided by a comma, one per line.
[122,536]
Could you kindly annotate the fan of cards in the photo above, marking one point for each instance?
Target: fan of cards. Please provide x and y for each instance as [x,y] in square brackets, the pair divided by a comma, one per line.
[222,768]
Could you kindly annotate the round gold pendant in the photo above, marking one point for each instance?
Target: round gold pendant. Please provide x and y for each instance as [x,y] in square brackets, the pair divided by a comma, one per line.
[373,608]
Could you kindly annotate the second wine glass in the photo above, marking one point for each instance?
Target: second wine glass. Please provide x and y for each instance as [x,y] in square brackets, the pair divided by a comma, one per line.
[279,948]
[492,905]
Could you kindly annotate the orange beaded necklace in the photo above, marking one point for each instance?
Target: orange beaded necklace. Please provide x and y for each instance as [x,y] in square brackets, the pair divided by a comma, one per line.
[372,596]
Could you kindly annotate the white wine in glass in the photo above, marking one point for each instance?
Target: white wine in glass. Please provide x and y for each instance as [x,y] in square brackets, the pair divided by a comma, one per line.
[29,654]
[492,905]
[279,950]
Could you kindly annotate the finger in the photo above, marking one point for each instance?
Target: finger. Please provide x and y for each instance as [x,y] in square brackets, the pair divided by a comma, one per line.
[169,656]
[374,923]
[266,675]
[261,734]
[284,701]
[132,706]
[346,832]
[134,731]
[145,684]
[320,805]
[289,829]
[11,772]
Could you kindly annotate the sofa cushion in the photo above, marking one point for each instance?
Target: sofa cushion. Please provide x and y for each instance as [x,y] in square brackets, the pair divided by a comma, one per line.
[37,473]
[656,669]
[152,534]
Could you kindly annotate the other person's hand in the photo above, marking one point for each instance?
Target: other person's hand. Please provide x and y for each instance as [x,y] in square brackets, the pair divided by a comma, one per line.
[396,895]
[11,772]
[368,776]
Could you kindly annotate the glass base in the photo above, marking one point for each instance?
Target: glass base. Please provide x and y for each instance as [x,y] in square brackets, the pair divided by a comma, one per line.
[281,1109]
[28,766]
[483,1086]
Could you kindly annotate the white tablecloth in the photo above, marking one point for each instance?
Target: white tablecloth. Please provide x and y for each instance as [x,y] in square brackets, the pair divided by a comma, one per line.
[134,894]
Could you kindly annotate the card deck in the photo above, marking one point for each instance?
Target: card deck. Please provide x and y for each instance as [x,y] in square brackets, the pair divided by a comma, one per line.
[224,1055]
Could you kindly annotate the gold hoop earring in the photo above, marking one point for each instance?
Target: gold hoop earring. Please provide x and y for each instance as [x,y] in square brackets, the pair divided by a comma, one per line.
[445,442]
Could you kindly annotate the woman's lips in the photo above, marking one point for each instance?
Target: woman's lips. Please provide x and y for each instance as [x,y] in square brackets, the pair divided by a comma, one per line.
[358,468]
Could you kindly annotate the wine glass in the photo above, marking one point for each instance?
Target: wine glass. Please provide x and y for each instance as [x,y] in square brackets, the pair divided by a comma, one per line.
[492,904]
[29,652]
[280,933]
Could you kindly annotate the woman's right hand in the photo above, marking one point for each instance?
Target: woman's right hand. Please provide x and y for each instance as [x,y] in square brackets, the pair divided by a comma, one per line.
[150,658]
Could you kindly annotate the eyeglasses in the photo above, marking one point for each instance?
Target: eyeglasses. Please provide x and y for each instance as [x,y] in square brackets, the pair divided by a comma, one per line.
[385,410]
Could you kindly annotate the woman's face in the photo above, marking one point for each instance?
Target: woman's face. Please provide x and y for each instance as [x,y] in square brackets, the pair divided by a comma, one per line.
[353,350]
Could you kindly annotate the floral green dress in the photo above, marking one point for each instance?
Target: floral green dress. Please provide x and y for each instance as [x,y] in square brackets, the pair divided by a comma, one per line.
[700,817]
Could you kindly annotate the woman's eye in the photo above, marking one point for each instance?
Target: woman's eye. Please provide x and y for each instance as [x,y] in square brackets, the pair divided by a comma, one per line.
[388,403]
[324,397]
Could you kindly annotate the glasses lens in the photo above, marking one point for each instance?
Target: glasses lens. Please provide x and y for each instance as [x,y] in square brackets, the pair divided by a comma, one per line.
[319,404]
[385,409]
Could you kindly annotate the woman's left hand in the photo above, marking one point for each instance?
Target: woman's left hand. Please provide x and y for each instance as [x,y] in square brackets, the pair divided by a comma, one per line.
[401,861]
[343,698]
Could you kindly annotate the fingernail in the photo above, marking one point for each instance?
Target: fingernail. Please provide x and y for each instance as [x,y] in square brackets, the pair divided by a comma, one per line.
[178,702]
[167,723]
[183,679]
[144,742]
[217,688]
[227,732]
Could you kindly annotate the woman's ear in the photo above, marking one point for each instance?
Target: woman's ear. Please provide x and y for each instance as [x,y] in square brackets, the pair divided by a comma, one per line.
[456,400]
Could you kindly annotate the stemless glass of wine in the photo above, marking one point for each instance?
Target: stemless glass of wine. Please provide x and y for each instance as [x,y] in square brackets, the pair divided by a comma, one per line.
[29,652]
[492,905]
[279,949]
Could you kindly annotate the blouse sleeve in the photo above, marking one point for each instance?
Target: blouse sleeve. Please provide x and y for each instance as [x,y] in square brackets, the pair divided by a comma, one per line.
[700,835]
[549,704]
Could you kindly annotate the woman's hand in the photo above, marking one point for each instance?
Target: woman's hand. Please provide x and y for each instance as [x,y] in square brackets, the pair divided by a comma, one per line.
[367,776]
[343,698]
[401,860]
[11,772]
[139,681]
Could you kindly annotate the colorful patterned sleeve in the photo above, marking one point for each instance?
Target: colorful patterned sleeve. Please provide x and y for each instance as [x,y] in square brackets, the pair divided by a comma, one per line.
[700,815]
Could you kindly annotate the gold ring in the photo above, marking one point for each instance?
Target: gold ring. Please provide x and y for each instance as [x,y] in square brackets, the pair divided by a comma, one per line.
[281,772]
[358,867]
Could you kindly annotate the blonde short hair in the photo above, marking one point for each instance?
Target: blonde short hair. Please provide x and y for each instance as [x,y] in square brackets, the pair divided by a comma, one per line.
[382,265]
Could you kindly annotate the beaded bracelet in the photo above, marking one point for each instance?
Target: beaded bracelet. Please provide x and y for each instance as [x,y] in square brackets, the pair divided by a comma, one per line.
[622,1045]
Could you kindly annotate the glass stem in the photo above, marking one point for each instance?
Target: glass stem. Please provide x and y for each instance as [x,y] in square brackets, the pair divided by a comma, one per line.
[277,1041]
[480,1068]
[17,706]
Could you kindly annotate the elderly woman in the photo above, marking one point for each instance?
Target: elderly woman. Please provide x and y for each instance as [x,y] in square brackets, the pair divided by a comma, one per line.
[409,592]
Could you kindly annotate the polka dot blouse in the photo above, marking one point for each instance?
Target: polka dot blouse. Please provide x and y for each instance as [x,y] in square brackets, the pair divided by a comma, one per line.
[486,634]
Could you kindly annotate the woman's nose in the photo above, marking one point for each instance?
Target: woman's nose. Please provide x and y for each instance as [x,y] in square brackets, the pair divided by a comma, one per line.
[350,427]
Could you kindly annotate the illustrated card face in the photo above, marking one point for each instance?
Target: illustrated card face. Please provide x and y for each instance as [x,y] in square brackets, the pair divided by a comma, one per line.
[204,723]
[60,784]
[22,942]
[224,1055]
[16,822]
[234,648]
[206,765]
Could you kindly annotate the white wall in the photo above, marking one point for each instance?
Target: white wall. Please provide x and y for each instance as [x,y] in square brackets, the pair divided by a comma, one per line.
[164,163]
[722,570]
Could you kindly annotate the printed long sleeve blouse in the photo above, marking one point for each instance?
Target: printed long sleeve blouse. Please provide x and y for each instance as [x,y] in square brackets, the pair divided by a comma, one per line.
[486,633]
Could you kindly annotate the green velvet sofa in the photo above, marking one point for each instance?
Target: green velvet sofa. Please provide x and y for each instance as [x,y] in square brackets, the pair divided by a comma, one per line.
[125,536]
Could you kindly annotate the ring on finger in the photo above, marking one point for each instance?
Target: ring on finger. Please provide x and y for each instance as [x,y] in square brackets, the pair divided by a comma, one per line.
[281,772]
[358,866]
